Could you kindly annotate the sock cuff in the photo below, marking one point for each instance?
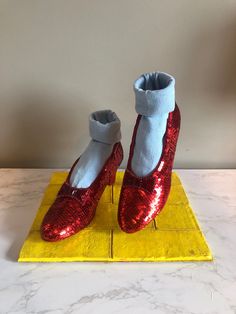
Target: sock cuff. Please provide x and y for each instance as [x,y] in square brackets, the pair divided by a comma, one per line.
[104,126]
[154,94]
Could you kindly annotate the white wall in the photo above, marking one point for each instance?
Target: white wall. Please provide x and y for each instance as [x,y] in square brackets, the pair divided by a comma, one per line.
[61,60]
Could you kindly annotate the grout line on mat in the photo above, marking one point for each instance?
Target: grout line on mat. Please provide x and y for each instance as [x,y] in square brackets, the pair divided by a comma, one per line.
[112,194]
[111,244]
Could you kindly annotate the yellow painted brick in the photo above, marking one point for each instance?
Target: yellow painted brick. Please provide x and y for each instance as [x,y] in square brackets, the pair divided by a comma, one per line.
[175,179]
[58,177]
[39,217]
[151,245]
[116,194]
[84,246]
[177,196]
[50,194]
[107,195]
[176,217]
[119,177]
[105,217]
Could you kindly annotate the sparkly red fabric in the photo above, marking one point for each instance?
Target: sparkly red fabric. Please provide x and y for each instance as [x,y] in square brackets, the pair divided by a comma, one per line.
[142,198]
[75,208]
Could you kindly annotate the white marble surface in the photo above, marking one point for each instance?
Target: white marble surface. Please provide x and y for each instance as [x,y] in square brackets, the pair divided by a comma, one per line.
[120,287]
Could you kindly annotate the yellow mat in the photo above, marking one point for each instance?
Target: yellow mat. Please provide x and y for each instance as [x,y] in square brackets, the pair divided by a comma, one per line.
[173,236]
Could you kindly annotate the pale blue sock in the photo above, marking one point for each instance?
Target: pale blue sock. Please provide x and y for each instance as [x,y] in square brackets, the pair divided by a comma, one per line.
[104,127]
[155,98]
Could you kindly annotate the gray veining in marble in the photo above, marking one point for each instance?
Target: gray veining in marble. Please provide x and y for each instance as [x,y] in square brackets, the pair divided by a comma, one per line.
[140,288]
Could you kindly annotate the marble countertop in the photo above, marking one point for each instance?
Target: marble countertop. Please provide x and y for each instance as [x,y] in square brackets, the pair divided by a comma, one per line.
[140,288]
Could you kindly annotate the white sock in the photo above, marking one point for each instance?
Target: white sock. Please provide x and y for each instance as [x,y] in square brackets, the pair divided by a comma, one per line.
[155,98]
[104,129]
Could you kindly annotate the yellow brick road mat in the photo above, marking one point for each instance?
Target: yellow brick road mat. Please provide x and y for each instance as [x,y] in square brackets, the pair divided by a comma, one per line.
[173,236]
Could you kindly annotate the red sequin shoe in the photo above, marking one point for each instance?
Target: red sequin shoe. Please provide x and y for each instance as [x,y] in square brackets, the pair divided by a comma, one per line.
[74,208]
[142,198]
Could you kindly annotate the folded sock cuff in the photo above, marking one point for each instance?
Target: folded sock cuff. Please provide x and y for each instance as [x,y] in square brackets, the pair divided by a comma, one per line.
[104,126]
[154,94]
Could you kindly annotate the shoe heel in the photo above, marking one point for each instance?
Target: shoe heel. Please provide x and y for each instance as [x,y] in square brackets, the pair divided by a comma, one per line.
[112,177]
[117,161]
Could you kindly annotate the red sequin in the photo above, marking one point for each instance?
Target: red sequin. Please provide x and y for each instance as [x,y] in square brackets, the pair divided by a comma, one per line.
[142,198]
[75,208]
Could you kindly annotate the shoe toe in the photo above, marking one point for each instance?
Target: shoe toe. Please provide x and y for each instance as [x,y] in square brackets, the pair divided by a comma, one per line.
[135,209]
[63,219]
[54,232]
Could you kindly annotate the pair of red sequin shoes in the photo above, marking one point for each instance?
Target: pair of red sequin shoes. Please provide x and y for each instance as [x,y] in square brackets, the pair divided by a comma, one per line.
[141,198]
